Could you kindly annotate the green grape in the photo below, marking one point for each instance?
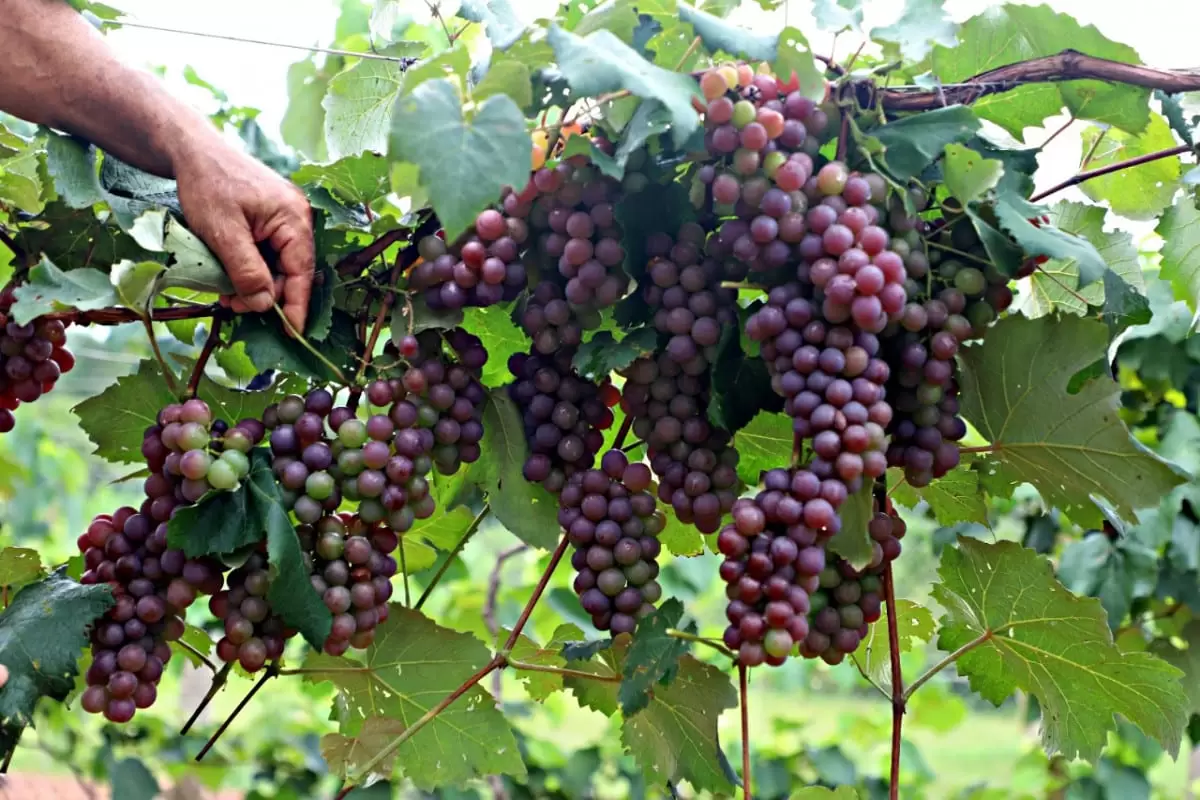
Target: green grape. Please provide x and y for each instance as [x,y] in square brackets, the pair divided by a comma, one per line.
[222,475]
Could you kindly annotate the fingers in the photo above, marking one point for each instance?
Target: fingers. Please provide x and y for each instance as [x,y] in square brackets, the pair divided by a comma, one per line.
[297,261]
[234,245]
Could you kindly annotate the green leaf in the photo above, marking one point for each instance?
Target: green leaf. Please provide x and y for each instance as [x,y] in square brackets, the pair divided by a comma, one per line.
[913,143]
[968,175]
[48,289]
[1071,447]
[1043,640]
[719,35]
[116,419]
[195,266]
[675,737]
[358,107]
[602,354]
[303,124]
[19,566]
[618,16]
[442,530]
[508,77]
[764,444]
[501,338]
[361,179]
[199,640]
[72,165]
[134,282]
[1006,34]
[80,238]
[452,64]
[678,538]
[821,793]
[838,15]
[540,685]
[346,754]
[228,521]
[1140,192]
[915,626]
[1180,230]
[131,780]
[21,180]
[1172,109]
[1187,660]
[1115,572]
[42,634]
[794,56]
[528,511]
[922,24]
[271,347]
[955,497]
[852,542]
[411,667]
[601,63]
[501,22]
[653,658]
[1013,214]
[464,162]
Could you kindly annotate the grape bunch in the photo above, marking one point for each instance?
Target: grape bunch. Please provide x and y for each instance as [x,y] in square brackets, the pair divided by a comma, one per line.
[201,453]
[694,461]
[483,267]
[550,321]
[152,585]
[563,414]
[351,568]
[32,358]
[254,633]
[774,553]
[610,518]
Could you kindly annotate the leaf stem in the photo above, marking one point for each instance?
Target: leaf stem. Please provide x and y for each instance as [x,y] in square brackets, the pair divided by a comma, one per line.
[1062,128]
[203,658]
[898,695]
[688,53]
[957,252]
[210,344]
[691,637]
[1087,175]
[564,671]
[458,548]
[947,661]
[307,345]
[983,448]
[168,373]
[744,697]
[217,682]
[272,671]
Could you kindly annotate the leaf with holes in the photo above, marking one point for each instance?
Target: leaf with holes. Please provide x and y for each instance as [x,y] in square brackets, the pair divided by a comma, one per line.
[968,175]
[541,685]
[1039,638]
[71,163]
[764,444]
[464,162]
[1071,447]
[345,754]
[360,179]
[358,107]
[501,338]
[1139,192]
[1013,214]
[653,658]
[913,143]
[411,667]
[19,566]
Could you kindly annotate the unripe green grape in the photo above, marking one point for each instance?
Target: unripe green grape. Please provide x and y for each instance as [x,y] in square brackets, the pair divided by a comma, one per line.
[222,475]
[744,112]
[238,460]
[777,643]
[353,433]
[319,485]
[236,439]
[193,436]
[970,281]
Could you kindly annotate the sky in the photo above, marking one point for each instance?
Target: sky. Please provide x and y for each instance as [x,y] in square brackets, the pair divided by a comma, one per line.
[255,75]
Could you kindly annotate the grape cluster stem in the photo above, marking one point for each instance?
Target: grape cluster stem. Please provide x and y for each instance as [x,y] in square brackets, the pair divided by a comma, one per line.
[210,345]
[899,698]
[458,548]
[744,705]
[271,671]
[218,682]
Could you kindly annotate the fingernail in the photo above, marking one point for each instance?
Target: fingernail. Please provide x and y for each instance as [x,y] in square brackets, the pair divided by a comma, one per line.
[260,301]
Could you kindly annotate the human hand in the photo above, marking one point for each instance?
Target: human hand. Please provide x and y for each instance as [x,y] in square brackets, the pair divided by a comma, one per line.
[232,202]
[3,675]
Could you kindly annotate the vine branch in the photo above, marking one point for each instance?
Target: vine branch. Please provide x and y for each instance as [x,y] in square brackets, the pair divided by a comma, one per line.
[744,695]
[217,682]
[458,548]
[272,671]
[210,344]
[1087,175]
[898,695]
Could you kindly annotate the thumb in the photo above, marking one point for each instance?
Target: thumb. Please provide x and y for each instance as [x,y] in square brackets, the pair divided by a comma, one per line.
[235,247]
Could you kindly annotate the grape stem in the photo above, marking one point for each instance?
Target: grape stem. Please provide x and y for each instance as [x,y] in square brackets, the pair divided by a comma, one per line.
[499,661]
[947,661]
[200,656]
[404,571]
[307,345]
[458,548]
[272,671]
[167,372]
[210,344]
[898,695]
[380,320]
[217,682]
[1088,174]
[691,637]
[744,696]
[19,254]
[622,432]
[563,671]
[960,253]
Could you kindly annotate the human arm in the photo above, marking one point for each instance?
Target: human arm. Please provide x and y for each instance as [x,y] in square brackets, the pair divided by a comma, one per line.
[56,70]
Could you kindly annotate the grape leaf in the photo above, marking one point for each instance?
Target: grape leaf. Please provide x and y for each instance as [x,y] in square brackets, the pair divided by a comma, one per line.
[19,566]
[678,538]
[1180,230]
[195,266]
[1172,109]
[130,779]
[358,107]
[602,354]
[361,179]
[764,444]
[968,175]
[922,24]
[838,15]
[719,35]
[443,530]
[303,124]
[509,77]
[501,338]
[1140,192]
[134,282]
[499,20]
[42,634]
[653,658]
[464,162]
[1013,214]
[913,143]
[271,347]
[540,685]
[1188,660]
[411,667]
[675,737]
[345,754]
[71,163]
[915,626]
[21,180]
[199,641]
[955,497]
[528,511]
[1071,447]
[601,62]
[452,64]
[1115,572]
[1010,33]
[794,57]
[1043,640]
[116,419]
[821,793]
[228,521]
[49,288]
[852,542]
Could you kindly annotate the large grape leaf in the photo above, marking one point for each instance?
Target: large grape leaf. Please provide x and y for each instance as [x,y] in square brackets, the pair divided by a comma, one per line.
[922,24]
[765,444]
[953,498]
[601,62]
[1180,230]
[1006,34]
[913,143]
[19,566]
[79,238]
[346,754]
[116,419]
[442,531]
[412,666]
[21,182]
[49,288]
[358,107]
[501,338]
[303,124]
[1041,639]
[528,511]
[361,179]
[675,736]
[968,175]
[653,658]
[1072,447]
[464,160]
[1140,192]
[1115,572]
[41,635]
[269,346]
[71,163]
